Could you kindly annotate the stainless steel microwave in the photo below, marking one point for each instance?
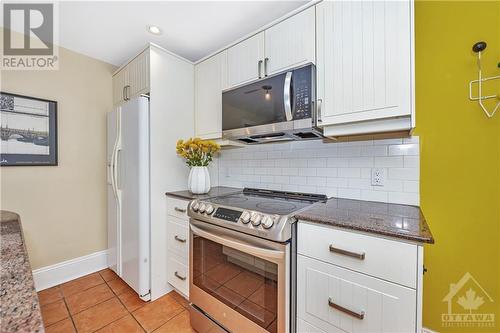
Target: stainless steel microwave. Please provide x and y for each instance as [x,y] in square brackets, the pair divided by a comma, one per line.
[277,108]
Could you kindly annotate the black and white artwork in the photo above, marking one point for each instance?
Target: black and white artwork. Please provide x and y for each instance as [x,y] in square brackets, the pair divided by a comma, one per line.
[28,130]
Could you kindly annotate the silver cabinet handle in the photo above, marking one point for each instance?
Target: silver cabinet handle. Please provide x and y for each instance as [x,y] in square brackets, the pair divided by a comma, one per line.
[318,110]
[287,98]
[266,60]
[177,238]
[180,277]
[359,315]
[259,68]
[360,256]
[177,209]
[124,94]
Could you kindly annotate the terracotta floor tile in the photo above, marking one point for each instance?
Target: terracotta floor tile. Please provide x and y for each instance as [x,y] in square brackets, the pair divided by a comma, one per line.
[119,286]
[131,300]
[54,312]
[63,326]
[224,272]
[90,297]
[124,325]
[154,314]
[99,316]
[245,283]
[49,295]
[179,298]
[178,324]
[108,275]
[80,284]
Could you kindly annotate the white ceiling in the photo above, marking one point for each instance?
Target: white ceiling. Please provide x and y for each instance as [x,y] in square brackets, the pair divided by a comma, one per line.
[114,31]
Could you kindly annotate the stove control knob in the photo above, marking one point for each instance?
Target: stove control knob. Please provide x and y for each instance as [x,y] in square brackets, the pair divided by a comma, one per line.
[195,206]
[267,222]
[256,219]
[202,208]
[245,217]
[209,209]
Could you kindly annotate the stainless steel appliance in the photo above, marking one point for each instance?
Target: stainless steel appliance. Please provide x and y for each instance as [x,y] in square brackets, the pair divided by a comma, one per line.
[277,108]
[242,262]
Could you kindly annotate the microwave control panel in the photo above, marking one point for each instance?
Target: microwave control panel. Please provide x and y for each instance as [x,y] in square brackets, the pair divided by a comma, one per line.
[302,79]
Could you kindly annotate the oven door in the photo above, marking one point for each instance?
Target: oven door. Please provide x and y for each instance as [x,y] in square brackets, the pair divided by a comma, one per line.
[239,281]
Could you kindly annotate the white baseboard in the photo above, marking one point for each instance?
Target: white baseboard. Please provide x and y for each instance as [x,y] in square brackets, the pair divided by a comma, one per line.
[428,330]
[68,270]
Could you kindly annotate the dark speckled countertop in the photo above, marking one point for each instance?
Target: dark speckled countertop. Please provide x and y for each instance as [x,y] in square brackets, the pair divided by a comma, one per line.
[214,192]
[20,309]
[397,221]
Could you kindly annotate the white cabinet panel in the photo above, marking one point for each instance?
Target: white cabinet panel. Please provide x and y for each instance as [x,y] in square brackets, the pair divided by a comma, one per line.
[120,80]
[139,75]
[364,59]
[326,294]
[386,259]
[178,238]
[243,60]
[304,327]
[210,80]
[177,274]
[291,43]
[177,208]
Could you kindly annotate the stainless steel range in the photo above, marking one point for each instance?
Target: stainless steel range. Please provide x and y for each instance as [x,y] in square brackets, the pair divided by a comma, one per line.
[241,260]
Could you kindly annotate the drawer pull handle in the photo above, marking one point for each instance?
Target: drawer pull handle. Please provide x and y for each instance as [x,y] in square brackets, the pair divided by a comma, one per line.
[181,210]
[180,277]
[360,256]
[354,314]
[177,238]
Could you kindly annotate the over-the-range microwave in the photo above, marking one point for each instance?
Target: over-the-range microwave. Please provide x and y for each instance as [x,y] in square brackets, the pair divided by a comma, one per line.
[276,108]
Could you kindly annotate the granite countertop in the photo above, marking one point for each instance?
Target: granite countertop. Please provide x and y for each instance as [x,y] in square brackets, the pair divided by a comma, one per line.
[397,221]
[20,309]
[214,192]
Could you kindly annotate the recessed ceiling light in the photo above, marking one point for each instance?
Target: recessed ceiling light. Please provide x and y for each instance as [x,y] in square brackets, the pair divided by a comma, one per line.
[154,30]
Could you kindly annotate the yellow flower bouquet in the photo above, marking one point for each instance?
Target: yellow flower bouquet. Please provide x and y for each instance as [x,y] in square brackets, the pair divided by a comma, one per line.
[196,151]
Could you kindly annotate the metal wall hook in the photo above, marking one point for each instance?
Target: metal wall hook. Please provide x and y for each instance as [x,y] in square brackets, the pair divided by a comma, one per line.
[478,48]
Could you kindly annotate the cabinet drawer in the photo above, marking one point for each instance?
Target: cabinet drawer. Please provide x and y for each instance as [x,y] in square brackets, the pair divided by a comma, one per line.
[178,237]
[335,299]
[304,327]
[178,274]
[382,258]
[177,208]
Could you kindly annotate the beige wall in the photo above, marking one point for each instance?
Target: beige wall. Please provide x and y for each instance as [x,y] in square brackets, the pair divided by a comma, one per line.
[63,208]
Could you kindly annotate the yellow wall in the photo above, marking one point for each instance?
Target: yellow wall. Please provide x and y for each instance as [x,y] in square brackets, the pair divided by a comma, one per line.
[460,152]
[63,208]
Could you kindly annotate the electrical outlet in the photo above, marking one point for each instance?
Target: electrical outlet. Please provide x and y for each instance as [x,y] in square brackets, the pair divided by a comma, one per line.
[378,177]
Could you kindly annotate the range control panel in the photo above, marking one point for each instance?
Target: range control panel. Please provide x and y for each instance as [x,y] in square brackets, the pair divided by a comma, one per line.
[227,214]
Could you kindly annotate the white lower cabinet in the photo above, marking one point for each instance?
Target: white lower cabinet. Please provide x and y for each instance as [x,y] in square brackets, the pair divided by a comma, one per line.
[335,299]
[178,245]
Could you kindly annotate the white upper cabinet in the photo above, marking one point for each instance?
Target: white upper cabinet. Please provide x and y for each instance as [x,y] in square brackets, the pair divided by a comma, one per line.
[245,60]
[132,80]
[287,44]
[210,80]
[290,43]
[364,65]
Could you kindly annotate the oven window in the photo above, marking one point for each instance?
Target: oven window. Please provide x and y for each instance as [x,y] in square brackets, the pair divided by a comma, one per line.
[243,282]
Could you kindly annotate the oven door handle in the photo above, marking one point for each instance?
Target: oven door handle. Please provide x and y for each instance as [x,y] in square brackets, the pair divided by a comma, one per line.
[239,245]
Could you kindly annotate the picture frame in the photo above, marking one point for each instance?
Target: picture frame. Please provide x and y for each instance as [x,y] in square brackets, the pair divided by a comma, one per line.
[28,131]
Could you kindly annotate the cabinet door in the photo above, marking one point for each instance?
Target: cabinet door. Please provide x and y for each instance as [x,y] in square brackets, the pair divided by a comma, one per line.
[138,70]
[364,51]
[332,299]
[243,60]
[120,80]
[291,43]
[210,80]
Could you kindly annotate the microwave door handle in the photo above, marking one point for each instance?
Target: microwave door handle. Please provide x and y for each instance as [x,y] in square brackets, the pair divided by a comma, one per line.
[271,255]
[287,96]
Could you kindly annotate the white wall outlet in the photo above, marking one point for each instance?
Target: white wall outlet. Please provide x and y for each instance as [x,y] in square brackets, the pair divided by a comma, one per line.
[378,177]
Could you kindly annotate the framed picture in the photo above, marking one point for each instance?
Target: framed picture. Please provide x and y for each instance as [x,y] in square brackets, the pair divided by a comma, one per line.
[28,130]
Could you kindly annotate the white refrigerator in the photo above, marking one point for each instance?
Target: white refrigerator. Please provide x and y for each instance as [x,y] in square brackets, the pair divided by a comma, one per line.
[128,179]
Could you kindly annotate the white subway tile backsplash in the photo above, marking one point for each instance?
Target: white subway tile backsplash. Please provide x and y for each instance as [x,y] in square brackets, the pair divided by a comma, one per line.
[341,169]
